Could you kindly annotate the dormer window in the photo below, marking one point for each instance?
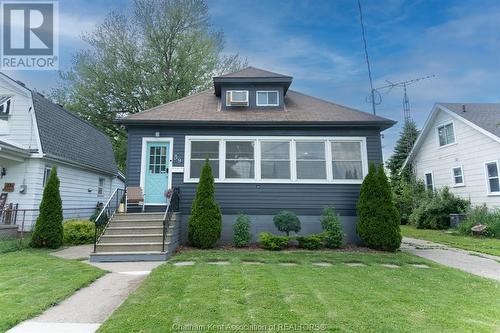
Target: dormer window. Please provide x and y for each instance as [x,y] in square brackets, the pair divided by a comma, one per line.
[268,98]
[5,102]
[237,98]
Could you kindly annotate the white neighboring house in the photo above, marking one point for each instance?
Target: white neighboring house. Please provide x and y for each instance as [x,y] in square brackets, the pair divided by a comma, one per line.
[459,147]
[36,135]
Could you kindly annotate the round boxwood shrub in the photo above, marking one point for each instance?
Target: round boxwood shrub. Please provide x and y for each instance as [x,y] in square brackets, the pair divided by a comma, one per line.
[333,234]
[378,218]
[272,242]
[286,221]
[48,230]
[241,230]
[78,232]
[205,222]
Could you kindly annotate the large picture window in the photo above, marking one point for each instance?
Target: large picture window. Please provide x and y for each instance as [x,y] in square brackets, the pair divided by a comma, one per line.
[278,159]
[275,160]
[346,160]
[311,161]
[240,161]
[200,151]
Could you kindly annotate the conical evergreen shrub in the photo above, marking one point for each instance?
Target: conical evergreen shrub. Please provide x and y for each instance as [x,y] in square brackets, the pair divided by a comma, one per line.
[205,222]
[48,230]
[378,218]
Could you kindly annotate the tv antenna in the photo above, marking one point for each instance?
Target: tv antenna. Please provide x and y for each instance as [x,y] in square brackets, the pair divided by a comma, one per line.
[376,98]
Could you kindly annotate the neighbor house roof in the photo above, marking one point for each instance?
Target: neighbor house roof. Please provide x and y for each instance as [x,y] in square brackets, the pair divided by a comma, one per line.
[65,136]
[484,117]
[204,107]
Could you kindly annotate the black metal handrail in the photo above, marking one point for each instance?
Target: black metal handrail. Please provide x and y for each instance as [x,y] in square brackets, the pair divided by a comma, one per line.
[106,213]
[173,199]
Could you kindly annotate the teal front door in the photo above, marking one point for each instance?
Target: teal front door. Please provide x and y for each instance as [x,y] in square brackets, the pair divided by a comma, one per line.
[157,172]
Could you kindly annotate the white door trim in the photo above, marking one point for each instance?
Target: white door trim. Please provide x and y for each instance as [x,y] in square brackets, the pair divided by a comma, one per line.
[145,141]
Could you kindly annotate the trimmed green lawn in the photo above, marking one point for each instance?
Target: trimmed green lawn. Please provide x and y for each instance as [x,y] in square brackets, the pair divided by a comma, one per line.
[33,280]
[9,244]
[370,298]
[478,244]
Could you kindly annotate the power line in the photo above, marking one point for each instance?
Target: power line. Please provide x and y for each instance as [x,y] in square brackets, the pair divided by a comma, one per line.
[372,91]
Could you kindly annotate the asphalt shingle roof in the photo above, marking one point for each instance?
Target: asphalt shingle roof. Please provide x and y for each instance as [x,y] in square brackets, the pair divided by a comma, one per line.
[252,72]
[299,108]
[484,115]
[66,136]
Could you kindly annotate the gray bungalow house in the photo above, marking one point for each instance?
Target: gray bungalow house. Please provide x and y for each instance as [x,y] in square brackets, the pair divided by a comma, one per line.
[270,149]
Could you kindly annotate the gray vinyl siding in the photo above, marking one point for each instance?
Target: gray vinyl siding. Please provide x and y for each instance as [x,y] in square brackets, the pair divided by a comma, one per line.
[258,198]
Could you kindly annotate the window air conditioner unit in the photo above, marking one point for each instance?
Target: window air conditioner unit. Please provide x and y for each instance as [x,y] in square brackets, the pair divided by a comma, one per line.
[237,98]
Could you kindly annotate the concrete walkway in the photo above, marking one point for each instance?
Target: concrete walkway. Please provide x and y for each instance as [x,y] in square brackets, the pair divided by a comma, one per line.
[88,308]
[473,262]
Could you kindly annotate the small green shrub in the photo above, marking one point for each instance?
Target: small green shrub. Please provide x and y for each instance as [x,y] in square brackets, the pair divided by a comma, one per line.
[48,232]
[378,218]
[78,232]
[241,230]
[272,242]
[333,234]
[481,215]
[311,242]
[434,211]
[407,196]
[286,221]
[205,222]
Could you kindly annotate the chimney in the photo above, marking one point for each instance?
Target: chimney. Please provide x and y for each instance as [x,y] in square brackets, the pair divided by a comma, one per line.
[463,108]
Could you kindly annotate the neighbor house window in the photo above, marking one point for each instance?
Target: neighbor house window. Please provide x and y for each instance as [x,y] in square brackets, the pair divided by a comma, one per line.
[100,186]
[46,175]
[5,102]
[458,176]
[492,175]
[347,160]
[237,98]
[446,134]
[267,98]
[429,181]
[311,161]
[200,151]
[275,160]
[240,161]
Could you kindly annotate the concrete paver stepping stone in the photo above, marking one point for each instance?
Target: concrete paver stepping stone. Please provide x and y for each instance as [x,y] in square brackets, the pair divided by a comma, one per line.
[222,263]
[184,263]
[390,266]
[420,265]
[355,264]
[288,263]
[322,264]
[252,262]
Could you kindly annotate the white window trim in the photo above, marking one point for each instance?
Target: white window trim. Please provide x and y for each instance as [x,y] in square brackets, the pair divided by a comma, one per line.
[230,91]
[462,184]
[293,160]
[145,141]
[487,177]
[425,180]
[45,178]
[454,134]
[267,91]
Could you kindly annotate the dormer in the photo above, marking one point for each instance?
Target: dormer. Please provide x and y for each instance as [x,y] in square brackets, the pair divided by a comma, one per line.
[252,88]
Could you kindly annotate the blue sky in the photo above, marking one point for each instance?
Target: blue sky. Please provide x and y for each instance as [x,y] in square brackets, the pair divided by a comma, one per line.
[319,44]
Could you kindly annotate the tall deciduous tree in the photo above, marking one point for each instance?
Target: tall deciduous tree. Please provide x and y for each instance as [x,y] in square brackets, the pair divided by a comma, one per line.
[157,52]
[402,150]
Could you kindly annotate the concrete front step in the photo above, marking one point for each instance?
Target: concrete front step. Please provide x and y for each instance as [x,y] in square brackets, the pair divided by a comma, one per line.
[129,230]
[130,247]
[139,216]
[123,223]
[137,238]
[129,256]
